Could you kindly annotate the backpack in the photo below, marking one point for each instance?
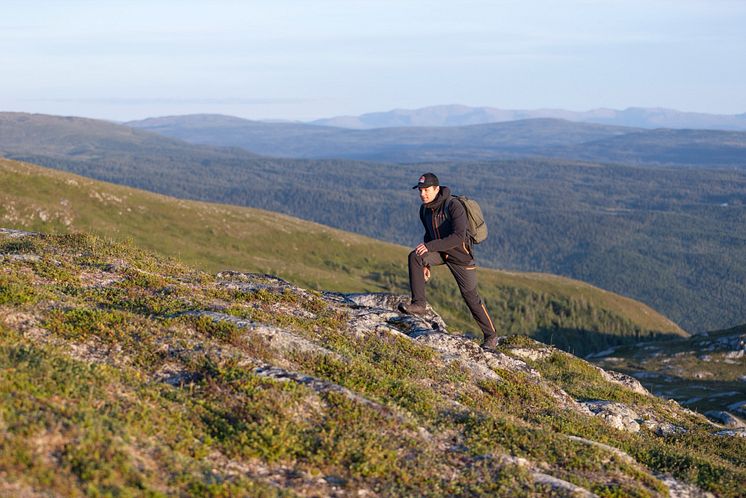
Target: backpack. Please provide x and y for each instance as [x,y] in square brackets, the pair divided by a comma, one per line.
[477,229]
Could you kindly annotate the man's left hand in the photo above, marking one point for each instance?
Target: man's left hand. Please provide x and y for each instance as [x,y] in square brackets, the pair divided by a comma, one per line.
[420,249]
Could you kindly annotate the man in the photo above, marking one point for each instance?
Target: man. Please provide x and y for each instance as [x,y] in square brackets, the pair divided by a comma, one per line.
[445,242]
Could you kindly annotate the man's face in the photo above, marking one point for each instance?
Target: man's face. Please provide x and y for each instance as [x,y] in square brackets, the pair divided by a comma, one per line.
[428,194]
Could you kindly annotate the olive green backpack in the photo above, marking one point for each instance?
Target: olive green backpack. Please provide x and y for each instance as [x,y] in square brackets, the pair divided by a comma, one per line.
[477,229]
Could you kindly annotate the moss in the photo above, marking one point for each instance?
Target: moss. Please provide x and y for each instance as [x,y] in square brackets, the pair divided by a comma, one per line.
[25,245]
[221,330]
[16,288]
[363,377]
[582,380]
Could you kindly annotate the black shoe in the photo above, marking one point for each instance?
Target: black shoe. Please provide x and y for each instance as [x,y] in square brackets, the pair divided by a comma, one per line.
[412,308]
[491,342]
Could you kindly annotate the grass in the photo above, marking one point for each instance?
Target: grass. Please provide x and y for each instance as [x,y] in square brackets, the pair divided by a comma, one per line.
[107,389]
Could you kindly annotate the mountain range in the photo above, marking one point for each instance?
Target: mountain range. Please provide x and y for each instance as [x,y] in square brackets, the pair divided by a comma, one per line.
[555,138]
[460,115]
[670,237]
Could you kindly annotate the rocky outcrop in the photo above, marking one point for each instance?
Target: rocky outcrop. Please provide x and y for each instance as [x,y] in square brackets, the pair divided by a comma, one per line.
[617,415]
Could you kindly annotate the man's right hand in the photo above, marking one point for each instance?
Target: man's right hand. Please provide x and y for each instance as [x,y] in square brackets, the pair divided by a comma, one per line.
[427,273]
[420,249]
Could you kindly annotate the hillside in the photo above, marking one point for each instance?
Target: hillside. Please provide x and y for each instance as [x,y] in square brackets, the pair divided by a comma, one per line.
[461,115]
[672,238]
[686,147]
[398,145]
[568,313]
[706,372]
[133,375]
[555,138]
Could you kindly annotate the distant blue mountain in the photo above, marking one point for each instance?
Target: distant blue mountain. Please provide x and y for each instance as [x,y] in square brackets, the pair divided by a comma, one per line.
[460,115]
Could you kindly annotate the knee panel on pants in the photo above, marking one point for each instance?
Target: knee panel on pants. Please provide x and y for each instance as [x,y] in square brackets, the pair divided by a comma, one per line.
[471,295]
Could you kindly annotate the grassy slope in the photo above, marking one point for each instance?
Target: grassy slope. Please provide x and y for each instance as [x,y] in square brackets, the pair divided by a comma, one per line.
[218,237]
[107,390]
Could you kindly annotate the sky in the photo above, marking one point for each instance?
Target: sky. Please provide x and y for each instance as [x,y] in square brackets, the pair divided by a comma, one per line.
[308,59]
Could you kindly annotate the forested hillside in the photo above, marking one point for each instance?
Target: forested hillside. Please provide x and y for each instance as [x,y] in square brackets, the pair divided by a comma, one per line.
[673,238]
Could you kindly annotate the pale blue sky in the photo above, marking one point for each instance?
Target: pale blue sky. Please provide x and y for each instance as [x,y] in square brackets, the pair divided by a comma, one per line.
[298,59]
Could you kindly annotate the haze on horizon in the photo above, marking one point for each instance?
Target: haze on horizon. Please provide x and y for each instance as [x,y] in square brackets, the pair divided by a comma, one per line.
[292,59]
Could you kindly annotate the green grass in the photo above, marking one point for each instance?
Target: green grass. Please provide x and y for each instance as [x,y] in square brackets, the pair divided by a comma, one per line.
[573,315]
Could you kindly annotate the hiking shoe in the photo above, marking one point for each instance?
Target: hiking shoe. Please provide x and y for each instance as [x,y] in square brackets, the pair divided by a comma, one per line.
[491,342]
[412,308]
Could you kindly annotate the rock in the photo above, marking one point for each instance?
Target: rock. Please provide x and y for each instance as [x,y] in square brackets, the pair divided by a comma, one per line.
[726,419]
[15,234]
[663,428]
[679,489]
[562,485]
[740,432]
[20,257]
[624,380]
[377,312]
[617,415]
[276,337]
[390,302]
[481,363]
[453,348]
[252,282]
[531,354]
[739,408]
[616,451]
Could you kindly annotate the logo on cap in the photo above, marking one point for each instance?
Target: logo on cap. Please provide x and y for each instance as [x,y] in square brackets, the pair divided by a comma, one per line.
[422,179]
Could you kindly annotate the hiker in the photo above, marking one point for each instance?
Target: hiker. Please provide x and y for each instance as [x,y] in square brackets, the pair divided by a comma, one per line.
[445,242]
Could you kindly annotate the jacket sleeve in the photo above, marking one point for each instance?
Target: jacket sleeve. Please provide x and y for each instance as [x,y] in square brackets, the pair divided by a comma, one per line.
[425,238]
[459,223]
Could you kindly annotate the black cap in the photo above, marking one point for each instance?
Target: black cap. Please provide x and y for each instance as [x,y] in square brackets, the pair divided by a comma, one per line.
[427,180]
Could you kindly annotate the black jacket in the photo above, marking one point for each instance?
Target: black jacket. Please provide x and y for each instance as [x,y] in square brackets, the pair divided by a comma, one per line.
[445,225]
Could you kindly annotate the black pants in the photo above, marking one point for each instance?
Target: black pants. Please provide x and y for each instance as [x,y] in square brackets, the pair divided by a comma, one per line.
[466,278]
